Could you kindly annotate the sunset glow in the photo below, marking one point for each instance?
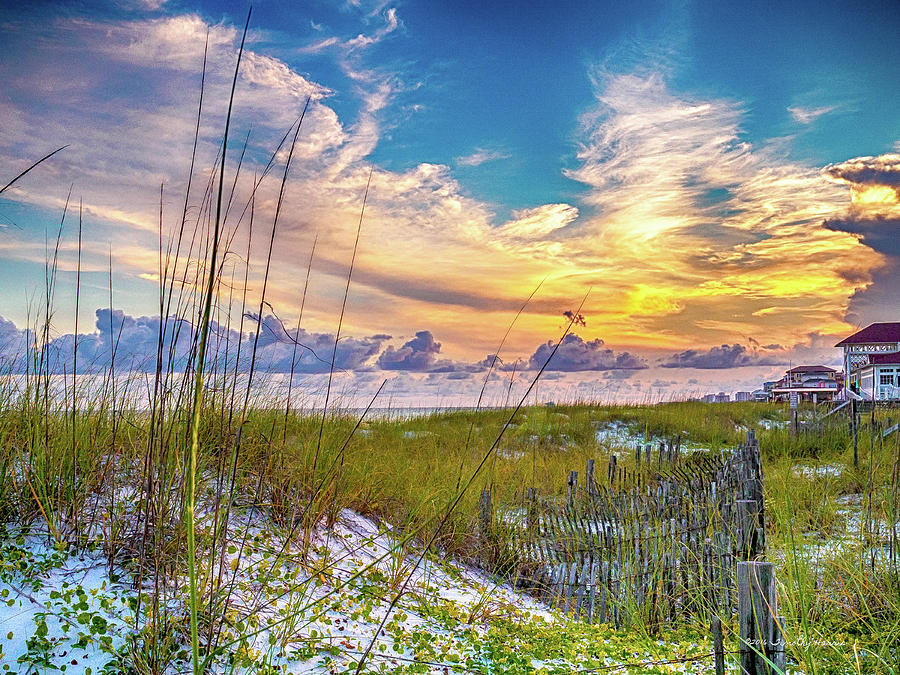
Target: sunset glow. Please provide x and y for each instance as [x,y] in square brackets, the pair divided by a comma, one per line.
[689,206]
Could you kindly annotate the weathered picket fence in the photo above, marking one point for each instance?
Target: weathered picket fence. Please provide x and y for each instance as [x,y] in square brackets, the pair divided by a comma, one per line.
[677,535]
[662,541]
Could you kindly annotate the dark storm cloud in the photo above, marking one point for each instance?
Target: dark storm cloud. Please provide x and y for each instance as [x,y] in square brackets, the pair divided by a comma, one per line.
[883,170]
[879,301]
[574,354]
[880,234]
[724,356]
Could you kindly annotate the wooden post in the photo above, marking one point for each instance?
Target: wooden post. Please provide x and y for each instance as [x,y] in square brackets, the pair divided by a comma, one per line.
[779,643]
[795,424]
[753,490]
[589,476]
[718,645]
[573,488]
[748,528]
[486,512]
[756,611]
[612,469]
[853,429]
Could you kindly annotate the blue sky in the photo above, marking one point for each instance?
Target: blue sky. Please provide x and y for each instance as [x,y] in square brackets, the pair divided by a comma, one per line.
[718,173]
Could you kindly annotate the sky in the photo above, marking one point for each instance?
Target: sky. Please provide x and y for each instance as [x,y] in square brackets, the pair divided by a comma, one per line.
[709,188]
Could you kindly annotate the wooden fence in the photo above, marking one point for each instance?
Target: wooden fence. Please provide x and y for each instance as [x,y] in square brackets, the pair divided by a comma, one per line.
[660,541]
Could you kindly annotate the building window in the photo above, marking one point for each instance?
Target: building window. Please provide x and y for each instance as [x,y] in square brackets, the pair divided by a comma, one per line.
[886,379]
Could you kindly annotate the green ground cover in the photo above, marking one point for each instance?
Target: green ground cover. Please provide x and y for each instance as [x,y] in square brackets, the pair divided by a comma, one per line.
[94,481]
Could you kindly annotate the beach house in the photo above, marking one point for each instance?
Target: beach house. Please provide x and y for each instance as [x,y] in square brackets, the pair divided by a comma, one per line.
[872,361]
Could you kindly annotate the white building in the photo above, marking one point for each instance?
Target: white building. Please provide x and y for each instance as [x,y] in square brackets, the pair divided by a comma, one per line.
[810,383]
[872,359]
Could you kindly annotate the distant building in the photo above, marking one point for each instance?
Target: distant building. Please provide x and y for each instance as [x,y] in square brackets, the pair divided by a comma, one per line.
[810,383]
[742,396]
[721,397]
[872,362]
[759,395]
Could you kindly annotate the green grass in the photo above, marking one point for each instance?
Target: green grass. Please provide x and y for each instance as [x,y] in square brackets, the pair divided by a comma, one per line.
[405,472]
[160,488]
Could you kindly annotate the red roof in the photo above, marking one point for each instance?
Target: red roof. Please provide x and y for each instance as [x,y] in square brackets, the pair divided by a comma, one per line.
[876,332]
[812,369]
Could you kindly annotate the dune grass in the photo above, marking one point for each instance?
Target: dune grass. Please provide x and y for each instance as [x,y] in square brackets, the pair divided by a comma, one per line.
[404,473]
[166,468]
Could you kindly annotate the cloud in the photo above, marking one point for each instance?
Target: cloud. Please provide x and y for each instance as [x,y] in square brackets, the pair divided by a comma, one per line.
[538,223]
[277,352]
[698,224]
[130,343]
[874,181]
[120,341]
[574,354]
[879,233]
[391,23]
[880,301]
[688,234]
[13,343]
[492,361]
[881,170]
[808,115]
[418,354]
[724,356]
[874,219]
[481,156]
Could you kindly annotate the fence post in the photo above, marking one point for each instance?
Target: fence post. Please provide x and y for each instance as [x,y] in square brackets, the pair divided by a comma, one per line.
[753,523]
[718,645]
[573,488]
[756,611]
[589,476]
[853,428]
[752,544]
[612,469]
[778,643]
